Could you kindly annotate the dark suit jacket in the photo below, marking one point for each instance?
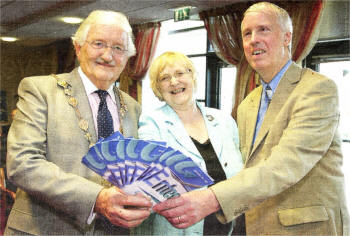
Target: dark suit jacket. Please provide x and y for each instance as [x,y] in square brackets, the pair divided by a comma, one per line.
[292,183]
[45,147]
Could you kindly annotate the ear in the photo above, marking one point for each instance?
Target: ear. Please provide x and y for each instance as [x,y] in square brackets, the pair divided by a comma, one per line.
[287,38]
[77,48]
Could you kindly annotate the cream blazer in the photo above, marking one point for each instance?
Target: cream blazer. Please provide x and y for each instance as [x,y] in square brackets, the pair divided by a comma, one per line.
[292,183]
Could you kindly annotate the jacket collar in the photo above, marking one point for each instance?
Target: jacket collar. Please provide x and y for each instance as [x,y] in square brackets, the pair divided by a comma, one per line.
[284,89]
[78,91]
[178,131]
[252,110]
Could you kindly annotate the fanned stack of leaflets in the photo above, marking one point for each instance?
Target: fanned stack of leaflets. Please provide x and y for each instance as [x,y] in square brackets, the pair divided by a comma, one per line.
[149,167]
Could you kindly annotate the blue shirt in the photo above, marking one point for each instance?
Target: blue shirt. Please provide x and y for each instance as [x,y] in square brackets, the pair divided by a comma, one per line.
[263,101]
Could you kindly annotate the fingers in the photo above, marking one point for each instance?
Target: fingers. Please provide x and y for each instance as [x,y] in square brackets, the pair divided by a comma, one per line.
[189,208]
[182,225]
[128,218]
[169,204]
[127,214]
[177,211]
[138,200]
[117,198]
[179,222]
[127,224]
[121,209]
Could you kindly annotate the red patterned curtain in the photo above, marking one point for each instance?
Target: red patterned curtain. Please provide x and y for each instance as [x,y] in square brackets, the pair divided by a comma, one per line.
[146,39]
[224,32]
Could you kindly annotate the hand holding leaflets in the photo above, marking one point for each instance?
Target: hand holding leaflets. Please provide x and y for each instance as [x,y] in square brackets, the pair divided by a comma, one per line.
[148,167]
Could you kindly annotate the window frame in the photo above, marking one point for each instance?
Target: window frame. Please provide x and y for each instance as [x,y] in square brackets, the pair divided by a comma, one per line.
[328,51]
[213,76]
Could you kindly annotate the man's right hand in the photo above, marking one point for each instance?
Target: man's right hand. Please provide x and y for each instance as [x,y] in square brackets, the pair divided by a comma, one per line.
[120,209]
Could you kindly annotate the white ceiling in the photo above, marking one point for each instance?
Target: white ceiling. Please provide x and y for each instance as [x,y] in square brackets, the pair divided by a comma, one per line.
[39,19]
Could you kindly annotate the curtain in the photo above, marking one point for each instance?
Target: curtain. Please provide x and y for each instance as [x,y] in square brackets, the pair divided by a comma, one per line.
[224,32]
[146,39]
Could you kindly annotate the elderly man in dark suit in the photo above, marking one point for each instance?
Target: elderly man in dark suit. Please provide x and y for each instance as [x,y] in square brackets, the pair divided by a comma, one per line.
[292,183]
[59,117]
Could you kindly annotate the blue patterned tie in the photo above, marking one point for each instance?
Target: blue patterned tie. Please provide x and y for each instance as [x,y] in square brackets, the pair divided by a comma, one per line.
[269,94]
[104,117]
[265,102]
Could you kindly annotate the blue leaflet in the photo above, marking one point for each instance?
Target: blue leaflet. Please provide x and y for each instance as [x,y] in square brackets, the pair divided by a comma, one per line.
[182,168]
[96,162]
[143,154]
[149,167]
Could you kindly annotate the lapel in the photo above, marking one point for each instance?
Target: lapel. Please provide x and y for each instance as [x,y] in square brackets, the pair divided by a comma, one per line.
[78,91]
[122,115]
[212,125]
[177,130]
[284,89]
[251,116]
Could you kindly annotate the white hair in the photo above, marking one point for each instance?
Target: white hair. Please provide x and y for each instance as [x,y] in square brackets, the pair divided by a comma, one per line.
[101,17]
[281,15]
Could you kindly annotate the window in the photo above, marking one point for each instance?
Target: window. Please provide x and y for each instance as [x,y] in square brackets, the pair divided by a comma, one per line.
[340,73]
[227,93]
[188,37]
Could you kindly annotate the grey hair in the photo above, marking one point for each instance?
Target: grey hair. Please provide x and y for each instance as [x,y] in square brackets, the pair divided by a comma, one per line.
[281,15]
[105,18]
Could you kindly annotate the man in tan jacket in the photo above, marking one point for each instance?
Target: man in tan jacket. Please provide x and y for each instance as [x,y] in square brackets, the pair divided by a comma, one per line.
[56,123]
[292,183]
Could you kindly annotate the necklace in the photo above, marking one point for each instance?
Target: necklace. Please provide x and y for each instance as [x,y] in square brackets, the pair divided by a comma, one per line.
[83,124]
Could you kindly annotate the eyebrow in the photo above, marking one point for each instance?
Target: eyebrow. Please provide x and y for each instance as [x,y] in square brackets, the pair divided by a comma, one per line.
[257,26]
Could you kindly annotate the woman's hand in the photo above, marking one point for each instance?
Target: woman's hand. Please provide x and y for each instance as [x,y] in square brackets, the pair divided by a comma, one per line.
[189,208]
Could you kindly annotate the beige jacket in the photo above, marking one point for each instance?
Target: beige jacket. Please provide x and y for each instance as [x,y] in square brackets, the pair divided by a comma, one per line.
[45,148]
[292,183]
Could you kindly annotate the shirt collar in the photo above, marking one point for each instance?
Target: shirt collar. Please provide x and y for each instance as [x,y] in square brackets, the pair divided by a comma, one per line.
[91,88]
[275,80]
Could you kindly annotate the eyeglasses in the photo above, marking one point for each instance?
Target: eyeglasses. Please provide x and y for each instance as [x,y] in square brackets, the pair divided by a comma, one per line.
[178,75]
[116,49]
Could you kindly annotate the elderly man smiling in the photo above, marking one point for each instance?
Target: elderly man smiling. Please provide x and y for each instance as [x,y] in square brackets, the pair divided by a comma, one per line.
[59,117]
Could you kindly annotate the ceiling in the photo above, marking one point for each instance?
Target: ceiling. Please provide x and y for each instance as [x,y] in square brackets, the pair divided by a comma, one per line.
[38,20]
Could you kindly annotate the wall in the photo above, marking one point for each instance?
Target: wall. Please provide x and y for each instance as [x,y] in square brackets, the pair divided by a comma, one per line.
[18,61]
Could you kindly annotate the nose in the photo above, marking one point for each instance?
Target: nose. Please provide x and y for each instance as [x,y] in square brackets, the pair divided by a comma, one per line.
[173,80]
[107,54]
[254,38]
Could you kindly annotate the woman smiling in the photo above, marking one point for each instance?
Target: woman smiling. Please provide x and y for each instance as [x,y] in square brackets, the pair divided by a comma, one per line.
[207,135]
